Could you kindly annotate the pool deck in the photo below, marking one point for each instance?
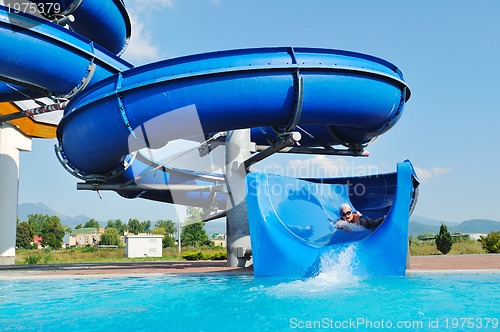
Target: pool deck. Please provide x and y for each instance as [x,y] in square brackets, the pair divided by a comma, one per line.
[455,264]
[449,264]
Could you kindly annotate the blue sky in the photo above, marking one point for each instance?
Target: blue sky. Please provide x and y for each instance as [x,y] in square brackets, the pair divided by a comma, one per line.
[447,50]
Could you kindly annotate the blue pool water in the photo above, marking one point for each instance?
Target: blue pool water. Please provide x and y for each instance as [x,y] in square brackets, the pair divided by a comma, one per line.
[334,300]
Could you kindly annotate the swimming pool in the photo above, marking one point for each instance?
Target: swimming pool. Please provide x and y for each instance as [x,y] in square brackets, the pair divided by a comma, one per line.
[243,303]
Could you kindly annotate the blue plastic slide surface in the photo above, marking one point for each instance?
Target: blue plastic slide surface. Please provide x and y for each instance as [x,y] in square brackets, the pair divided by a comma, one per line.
[347,97]
[256,86]
[292,223]
[39,58]
[111,28]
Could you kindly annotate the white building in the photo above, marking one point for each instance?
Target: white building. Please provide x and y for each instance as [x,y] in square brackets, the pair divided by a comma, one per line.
[476,236]
[143,245]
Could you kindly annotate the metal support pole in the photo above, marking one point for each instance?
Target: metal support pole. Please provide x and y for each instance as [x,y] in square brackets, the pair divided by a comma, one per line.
[11,143]
[149,187]
[238,147]
[178,228]
[290,140]
[34,111]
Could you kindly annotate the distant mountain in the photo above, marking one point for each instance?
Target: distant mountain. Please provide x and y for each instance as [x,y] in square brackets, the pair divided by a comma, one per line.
[25,209]
[477,226]
[416,229]
[483,226]
[431,222]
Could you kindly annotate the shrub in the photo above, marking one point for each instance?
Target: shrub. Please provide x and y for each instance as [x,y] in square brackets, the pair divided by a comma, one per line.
[88,248]
[443,240]
[33,258]
[47,258]
[491,242]
[219,256]
[192,256]
[31,247]
[195,256]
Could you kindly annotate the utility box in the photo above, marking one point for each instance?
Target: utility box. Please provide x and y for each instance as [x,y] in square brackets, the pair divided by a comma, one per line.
[143,245]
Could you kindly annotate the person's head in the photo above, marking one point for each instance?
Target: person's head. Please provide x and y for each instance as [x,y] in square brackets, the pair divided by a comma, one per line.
[346,212]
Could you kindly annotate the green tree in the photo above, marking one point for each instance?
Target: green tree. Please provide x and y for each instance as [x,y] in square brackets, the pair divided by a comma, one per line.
[146,226]
[168,225]
[168,240]
[193,214]
[110,237]
[24,235]
[78,226]
[37,221]
[491,242]
[50,240]
[118,224]
[194,235]
[92,224]
[49,228]
[135,226]
[443,240]
[111,224]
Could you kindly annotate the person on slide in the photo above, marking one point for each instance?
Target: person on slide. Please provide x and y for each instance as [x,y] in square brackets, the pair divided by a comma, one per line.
[354,221]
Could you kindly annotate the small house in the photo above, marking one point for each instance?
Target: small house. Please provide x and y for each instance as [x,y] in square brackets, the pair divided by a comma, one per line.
[143,245]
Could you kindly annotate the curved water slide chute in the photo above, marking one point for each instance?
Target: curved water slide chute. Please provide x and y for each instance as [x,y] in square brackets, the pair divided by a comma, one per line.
[43,59]
[149,106]
[90,18]
[292,222]
[336,97]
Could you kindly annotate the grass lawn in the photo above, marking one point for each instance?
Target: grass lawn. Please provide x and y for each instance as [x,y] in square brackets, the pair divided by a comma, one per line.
[100,255]
[421,248]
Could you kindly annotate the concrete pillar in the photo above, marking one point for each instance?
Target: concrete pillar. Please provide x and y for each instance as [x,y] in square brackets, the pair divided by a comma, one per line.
[238,147]
[11,143]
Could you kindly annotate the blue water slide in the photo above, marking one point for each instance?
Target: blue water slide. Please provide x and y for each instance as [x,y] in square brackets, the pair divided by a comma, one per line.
[292,222]
[349,94]
[43,59]
[91,18]
[40,58]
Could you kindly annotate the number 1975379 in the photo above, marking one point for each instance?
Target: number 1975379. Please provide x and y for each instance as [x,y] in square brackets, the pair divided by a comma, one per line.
[27,7]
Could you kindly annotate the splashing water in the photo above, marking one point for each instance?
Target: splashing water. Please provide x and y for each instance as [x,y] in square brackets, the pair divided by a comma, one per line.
[336,266]
[335,272]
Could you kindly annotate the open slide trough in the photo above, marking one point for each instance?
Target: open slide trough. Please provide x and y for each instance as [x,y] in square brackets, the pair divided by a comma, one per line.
[292,222]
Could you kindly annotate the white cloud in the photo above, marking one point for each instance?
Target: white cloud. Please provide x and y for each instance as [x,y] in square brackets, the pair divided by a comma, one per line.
[425,175]
[140,49]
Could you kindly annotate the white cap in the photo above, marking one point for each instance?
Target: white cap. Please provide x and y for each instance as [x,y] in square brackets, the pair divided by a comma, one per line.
[344,206]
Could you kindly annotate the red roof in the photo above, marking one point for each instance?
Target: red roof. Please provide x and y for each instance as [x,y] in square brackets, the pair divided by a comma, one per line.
[37,239]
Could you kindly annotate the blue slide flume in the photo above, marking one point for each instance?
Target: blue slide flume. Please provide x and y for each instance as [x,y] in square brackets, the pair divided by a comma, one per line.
[332,97]
[292,242]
